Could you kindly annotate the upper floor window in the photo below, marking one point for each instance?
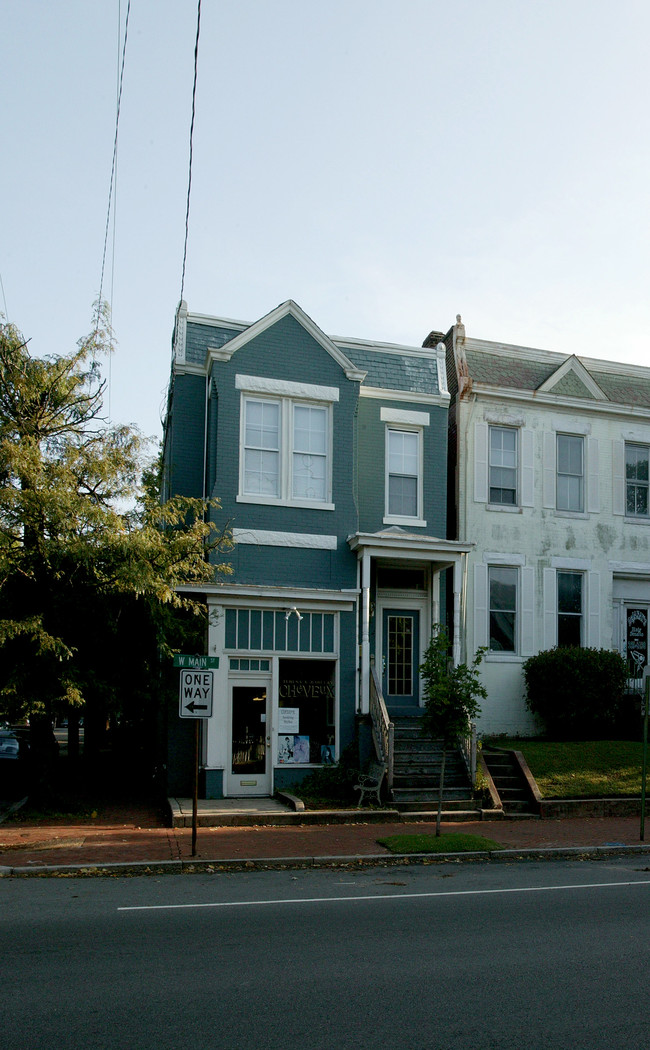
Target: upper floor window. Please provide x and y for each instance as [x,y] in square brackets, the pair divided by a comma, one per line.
[404,474]
[503,608]
[503,466]
[569,608]
[285,454]
[570,473]
[636,480]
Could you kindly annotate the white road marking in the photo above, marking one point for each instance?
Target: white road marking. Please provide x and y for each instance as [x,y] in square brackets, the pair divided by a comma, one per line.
[387,896]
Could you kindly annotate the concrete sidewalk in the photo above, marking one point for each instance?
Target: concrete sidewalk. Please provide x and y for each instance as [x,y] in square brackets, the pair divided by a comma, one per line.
[134,838]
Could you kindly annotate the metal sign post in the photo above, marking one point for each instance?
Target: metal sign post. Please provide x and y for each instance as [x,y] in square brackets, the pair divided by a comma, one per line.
[195,701]
[644,766]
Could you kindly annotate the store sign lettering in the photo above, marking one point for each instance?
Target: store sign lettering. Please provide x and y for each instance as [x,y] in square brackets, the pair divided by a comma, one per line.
[309,690]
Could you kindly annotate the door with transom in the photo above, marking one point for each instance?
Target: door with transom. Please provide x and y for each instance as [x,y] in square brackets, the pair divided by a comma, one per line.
[401,657]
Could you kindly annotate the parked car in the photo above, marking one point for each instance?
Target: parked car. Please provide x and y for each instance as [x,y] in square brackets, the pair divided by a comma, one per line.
[9,745]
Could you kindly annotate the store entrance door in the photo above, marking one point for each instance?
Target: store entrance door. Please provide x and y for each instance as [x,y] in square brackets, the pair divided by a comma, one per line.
[250,772]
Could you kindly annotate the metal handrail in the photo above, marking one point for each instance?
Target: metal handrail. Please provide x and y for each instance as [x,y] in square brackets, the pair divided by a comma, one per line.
[467,745]
[383,730]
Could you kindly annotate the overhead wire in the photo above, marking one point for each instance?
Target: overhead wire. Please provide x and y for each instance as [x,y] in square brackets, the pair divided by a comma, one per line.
[110,209]
[189,176]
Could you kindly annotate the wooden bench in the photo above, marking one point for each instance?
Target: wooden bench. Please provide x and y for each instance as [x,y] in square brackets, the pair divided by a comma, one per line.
[370,783]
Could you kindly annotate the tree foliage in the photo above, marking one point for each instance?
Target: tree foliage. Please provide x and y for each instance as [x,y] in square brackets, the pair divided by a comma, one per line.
[451,697]
[576,692]
[451,694]
[89,562]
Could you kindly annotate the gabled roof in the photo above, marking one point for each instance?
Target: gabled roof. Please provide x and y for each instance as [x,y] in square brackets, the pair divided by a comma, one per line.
[226,350]
[415,372]
[573,380]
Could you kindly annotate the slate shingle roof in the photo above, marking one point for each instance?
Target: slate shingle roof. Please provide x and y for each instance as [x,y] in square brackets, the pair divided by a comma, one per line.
[517,373]
[201,336]
[387,369]
[629,386]
[390,370]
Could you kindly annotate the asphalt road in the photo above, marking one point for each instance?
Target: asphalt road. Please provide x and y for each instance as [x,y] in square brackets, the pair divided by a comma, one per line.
[530,955]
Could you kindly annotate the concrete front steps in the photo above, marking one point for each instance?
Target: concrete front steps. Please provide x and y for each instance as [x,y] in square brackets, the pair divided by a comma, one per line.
[512,783]
[416,776]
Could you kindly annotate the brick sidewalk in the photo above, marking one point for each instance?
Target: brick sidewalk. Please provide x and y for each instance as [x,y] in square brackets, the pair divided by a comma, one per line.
[136,835]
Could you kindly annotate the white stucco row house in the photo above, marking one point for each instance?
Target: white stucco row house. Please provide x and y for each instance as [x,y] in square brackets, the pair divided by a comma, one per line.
[549,479]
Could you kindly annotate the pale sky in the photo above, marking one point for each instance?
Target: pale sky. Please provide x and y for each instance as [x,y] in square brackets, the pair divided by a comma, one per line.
[386,163]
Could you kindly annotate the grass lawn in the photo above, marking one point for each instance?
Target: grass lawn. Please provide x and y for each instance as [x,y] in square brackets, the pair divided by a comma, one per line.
[582,769]
[452,842]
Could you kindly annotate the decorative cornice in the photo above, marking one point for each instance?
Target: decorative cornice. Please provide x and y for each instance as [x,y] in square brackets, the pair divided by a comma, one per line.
[581,405]
[411,396]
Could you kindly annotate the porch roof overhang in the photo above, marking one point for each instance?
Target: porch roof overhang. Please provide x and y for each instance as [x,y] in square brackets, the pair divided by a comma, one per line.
[398,544]
[307,598]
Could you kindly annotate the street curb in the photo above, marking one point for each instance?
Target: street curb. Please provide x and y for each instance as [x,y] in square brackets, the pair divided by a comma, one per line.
[194,866]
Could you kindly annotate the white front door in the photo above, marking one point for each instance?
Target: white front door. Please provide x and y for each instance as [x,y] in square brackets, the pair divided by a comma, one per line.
[250,739]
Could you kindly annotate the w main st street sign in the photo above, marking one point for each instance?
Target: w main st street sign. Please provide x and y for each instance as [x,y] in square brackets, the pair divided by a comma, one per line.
[195,700]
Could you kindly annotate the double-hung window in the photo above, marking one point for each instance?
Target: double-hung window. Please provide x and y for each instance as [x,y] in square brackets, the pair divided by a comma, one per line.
[404,473]
[502,598]
[569,608]
[636,481]
[570,473]
[262,448]
[285,451]
[503,466]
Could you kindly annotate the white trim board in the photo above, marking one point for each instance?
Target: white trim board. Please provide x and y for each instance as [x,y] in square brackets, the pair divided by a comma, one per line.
[267,538]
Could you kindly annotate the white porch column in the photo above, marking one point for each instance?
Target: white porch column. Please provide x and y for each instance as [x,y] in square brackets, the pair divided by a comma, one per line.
[458,582]
[435,597]
[365,633]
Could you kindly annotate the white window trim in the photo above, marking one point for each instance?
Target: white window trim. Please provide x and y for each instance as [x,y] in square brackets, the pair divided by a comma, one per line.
[404,416]
[517,467]
[590,471]
[405,519]
[583,479]
[286,403]
[524,608]
[268,538]
[525,464]
[637,519]
[591,601]
[286,388]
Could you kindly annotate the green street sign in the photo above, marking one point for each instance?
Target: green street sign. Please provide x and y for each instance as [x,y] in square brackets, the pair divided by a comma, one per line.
[195,663]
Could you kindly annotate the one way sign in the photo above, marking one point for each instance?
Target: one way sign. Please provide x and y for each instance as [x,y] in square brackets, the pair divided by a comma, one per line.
[196,694]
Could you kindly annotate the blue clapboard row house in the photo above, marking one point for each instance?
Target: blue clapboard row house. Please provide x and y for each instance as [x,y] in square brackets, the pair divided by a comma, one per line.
[374,490]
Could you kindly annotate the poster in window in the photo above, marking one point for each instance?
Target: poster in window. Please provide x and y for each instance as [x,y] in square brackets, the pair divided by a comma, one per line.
[289,720]
[637,640]
[292,749]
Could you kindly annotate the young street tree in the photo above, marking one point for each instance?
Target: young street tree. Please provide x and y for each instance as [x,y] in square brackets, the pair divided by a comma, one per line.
[450,697]
[86,571]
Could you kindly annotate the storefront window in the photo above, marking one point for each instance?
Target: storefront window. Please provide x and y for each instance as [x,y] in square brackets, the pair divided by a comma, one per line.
[306,716]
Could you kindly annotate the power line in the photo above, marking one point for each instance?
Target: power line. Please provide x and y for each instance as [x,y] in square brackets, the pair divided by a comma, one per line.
[113,166]
[189,176]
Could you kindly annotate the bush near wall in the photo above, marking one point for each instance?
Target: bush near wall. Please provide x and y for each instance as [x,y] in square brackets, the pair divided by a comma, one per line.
[577,693]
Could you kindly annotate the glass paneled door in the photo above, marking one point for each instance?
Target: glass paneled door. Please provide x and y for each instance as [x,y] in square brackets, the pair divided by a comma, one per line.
[401,657]
[250,772]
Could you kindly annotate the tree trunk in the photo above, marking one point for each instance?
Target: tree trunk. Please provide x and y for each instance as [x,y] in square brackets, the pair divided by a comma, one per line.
[441,788]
